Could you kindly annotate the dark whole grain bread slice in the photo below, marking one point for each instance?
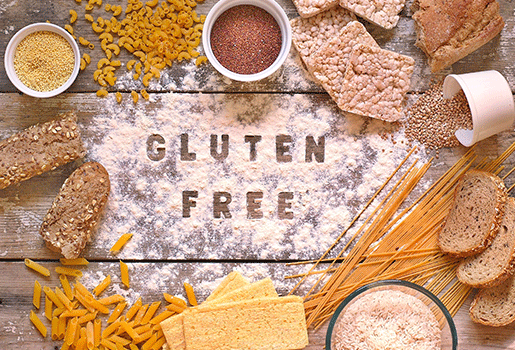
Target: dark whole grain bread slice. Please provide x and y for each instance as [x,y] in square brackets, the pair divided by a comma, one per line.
[71,220]
[495,263]
[475,214]
[40,148]
[495,306]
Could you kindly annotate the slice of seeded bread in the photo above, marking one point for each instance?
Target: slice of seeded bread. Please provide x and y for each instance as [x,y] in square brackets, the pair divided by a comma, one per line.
[71,220]
[475,215]
[497,262]
[495,306]
[40,148]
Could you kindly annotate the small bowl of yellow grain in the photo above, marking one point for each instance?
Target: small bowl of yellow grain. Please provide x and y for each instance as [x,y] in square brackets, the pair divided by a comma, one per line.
[42,60]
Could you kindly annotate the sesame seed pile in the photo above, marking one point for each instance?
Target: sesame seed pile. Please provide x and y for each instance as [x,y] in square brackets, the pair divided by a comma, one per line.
[44,61]
[433,120]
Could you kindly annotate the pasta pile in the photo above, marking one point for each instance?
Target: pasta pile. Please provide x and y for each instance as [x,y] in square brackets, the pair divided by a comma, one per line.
[76,315]
[155,33]
[398,242]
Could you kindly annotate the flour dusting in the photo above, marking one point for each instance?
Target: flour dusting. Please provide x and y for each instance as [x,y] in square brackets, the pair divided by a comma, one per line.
[147,196]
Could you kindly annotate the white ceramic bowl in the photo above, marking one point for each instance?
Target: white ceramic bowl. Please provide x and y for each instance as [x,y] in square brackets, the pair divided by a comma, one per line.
[268,5]
[11,48]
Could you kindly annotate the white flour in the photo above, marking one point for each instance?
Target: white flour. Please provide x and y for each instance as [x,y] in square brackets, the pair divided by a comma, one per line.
[146,197]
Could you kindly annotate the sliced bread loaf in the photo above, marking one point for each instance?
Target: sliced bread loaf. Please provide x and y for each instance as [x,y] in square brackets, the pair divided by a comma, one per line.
[497,262]
[495,306]
[475,214]
[70,222]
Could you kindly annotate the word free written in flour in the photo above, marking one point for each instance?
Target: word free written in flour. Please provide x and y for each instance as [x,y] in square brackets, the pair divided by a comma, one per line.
[219,150]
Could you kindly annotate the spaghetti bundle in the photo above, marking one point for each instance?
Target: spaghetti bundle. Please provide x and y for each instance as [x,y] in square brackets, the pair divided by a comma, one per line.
[397,242]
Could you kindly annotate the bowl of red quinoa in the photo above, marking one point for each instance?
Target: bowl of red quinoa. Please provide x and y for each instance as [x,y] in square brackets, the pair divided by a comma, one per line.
[42,60]
[391,314]
[246,40]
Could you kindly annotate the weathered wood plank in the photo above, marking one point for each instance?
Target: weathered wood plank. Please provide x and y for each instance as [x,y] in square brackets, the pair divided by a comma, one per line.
[291,78]
[150,280]
[152,209]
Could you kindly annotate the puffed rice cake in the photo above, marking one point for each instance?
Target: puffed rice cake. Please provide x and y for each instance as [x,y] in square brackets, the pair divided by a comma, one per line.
[384,13]
[311,33]
[331,59]
[309,8]
[376,82]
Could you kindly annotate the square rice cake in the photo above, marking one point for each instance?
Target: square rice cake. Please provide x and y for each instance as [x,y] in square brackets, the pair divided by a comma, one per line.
[331,59]
[310,8]
[308,34]
[384,13]
[264,323]
[375,83]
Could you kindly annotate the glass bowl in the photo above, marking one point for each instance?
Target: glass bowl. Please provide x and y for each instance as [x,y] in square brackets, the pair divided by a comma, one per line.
[374,302]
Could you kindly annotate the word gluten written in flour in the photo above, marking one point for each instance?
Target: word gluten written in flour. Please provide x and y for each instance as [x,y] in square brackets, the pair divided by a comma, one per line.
[219,150]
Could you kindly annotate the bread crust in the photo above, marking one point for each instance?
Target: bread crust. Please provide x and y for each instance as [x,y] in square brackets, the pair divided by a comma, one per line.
[75,212]
[506,286]
[503,274]
[448,30]
[501,196]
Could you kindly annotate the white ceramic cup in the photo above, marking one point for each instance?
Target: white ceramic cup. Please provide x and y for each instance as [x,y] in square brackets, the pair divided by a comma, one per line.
[490,100]
[11,49]
[269,6]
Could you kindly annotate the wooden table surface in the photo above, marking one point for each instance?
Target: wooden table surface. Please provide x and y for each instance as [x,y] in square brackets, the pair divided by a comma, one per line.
[164,254]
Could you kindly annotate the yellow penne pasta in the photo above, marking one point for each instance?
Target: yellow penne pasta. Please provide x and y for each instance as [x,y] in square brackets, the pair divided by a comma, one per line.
[175,300]
[38,324]
[119,340]
[79,287]
[68,271]
[37,267]
[121,242]
[51,295]
[66,286]
[88,317]
[124,273]
[144,336]
[117,312]
[190,294]
[150,312]
[82,299]
[36,296]
[108,344]
[133,309]
[74,313]
[54,330]
[97,327]
[71,330]
[175,308]
[149,342]
[78,261]
[62,327]
[159,343]
[112,299]
[139,316]
[129,330]
[161,317]
[58,311]
[102,286]
[63,298]
[95,304]
[90,335]
[110,329]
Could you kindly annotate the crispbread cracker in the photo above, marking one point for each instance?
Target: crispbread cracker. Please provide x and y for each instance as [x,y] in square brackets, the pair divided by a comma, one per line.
[264,323]
[234,287]
[384,13]
[259,289]
[231,282]
[375,83]
[331,59]
[173,328]
[310,8]
[308,34]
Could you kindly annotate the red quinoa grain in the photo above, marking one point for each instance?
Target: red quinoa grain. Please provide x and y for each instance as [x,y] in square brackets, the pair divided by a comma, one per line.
[246,39]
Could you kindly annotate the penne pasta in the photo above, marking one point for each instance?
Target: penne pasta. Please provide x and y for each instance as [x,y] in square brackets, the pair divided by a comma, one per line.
[120,243]
[161,317]
[117,312]
[51,295]
[124,272]
[90,335]
[36,297]
[37,267]
[55,328]
[76,262]
[150,312]
[38,324]
[97,328]
[112,299]
[63,298]
[66,286]
[71,331]
[68,271]
[133,309]
[190,294]
[102,286]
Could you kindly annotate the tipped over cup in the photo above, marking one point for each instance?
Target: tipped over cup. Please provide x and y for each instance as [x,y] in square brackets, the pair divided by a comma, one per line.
[490,100]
